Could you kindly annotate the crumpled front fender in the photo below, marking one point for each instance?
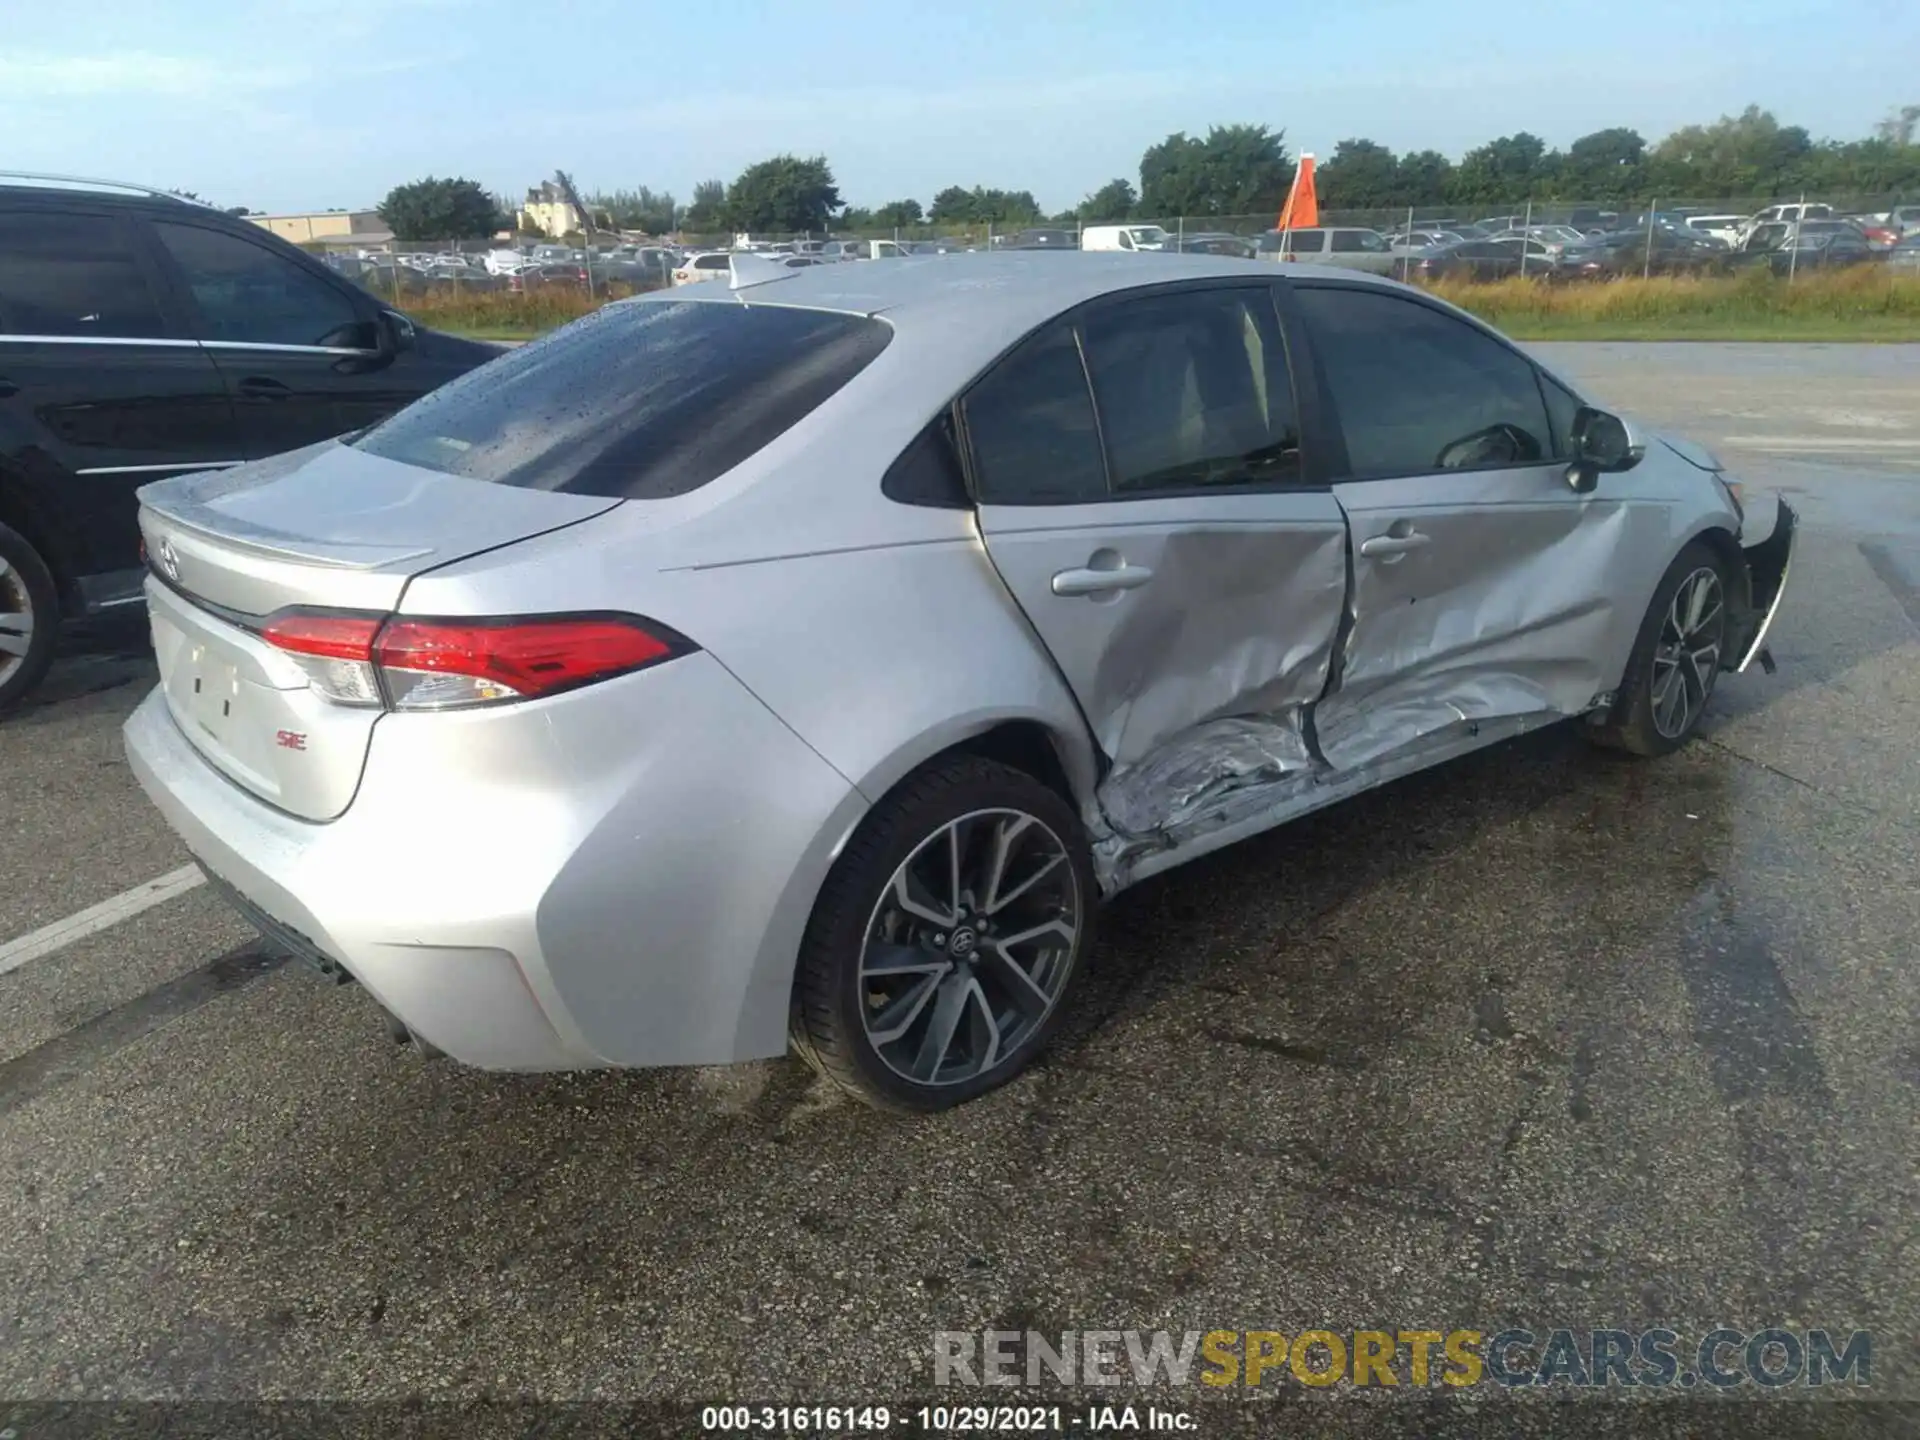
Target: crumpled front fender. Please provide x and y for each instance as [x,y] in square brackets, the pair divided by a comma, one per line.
[1768,562]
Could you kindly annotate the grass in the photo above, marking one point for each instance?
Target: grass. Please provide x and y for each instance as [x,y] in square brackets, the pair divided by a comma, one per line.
[1864,303]
[499,315]
[1861,303]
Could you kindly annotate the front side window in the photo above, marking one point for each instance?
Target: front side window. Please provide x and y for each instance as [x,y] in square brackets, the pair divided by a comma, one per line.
[73,275]
[639,401]
[1031,428]
[1193,390]
[249,295]
[1562,406]
[1419,390]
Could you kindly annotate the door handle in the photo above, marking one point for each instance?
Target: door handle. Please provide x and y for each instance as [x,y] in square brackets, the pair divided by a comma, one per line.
[7,388]
[1101,582]
[262,387]
[1393,544]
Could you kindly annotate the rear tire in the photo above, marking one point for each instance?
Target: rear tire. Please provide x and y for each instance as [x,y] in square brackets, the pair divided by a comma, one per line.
[29,618]
[946,939]
[1676,658]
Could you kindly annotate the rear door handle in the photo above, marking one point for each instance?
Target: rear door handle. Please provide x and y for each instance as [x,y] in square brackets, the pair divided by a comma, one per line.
[1101,582]
[1393,544]
[263,387]
[7,388]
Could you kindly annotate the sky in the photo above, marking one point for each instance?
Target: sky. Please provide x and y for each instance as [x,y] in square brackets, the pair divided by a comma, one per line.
[293,105]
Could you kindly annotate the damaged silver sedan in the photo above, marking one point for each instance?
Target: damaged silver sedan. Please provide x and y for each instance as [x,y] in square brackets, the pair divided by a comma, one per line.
[801,660]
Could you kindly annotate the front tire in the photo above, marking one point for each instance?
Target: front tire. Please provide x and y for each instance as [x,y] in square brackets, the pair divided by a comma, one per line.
[946,938]
[1676,658]
[29,618]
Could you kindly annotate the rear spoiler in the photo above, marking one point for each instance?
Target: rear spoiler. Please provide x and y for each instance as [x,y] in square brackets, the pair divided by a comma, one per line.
[749,270]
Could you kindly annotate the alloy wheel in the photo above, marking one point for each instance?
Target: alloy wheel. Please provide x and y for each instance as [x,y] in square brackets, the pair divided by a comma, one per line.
[1686,658]
[969,947]
[16,620]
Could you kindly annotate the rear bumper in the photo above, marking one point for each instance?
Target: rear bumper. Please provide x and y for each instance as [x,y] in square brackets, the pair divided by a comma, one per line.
[1768,563]
[613,878]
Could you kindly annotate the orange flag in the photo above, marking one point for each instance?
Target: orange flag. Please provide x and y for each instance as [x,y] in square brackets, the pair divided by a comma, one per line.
[1302,210]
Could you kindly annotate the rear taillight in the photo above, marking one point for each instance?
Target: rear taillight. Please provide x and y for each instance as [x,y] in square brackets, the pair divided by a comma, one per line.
[432,664]
[336,651]
[414,664]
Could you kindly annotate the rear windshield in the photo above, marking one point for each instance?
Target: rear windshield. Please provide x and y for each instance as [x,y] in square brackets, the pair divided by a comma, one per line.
[639,401]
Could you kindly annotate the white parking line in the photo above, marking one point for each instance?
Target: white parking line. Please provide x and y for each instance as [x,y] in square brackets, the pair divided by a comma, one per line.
[95,918]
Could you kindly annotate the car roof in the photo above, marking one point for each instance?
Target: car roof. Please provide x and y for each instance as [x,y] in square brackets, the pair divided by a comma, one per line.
[92,197]
[1011,291]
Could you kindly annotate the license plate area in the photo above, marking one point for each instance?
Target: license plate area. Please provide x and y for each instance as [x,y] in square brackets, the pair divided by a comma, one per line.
[249,710]
[218,708]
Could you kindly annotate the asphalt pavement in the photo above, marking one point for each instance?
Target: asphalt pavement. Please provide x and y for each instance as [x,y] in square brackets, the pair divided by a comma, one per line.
[1546,1037]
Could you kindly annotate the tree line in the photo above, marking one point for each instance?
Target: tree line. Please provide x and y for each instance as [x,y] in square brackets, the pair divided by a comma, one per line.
[1246,170]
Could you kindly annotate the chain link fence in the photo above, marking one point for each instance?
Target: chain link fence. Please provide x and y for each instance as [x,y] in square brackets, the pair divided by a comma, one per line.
[529,282]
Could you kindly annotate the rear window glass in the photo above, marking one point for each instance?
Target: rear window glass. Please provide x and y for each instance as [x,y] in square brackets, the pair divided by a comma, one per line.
[638,401]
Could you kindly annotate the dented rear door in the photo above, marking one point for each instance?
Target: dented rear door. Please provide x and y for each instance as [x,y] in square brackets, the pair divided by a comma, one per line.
[1485,592]
[1136,468]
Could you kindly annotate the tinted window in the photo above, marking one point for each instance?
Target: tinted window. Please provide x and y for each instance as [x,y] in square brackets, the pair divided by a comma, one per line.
[72,275]
[247,293]
[928,471]
[1031,428]
[1562,405]
[1419,390]
[1304,242]
[1193,389]
[640,401]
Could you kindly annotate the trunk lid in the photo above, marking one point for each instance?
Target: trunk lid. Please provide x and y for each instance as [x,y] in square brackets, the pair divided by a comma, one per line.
[329,527]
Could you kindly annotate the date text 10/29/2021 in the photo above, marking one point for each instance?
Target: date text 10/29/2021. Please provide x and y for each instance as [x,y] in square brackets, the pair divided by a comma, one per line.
[943,1419]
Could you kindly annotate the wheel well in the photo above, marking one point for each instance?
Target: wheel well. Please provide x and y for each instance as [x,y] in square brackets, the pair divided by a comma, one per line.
[1724,546]
[18,517]
[1026,746]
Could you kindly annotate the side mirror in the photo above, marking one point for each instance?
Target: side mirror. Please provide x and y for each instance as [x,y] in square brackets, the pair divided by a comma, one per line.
[396,333]
[1602,444]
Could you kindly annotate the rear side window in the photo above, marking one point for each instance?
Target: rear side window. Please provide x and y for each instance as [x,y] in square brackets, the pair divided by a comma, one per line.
[1193,390]
[1031,427]
[73,275]
[1420,391]
[1304,242]
[639,401]
[928,471]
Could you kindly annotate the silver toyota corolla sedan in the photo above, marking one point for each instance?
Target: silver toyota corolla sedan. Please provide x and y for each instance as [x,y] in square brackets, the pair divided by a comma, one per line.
[801,660]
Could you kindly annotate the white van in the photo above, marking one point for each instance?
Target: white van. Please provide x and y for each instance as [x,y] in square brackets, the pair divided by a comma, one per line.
[1123,237]
[1783,215]
[1720,227]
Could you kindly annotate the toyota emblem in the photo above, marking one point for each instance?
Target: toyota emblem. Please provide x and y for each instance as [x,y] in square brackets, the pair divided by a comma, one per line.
[169,560]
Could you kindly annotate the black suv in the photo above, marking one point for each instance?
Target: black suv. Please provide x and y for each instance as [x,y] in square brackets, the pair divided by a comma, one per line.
[142,335]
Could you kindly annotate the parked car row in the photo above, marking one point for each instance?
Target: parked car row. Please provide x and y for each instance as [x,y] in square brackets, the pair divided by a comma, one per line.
[143,335]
